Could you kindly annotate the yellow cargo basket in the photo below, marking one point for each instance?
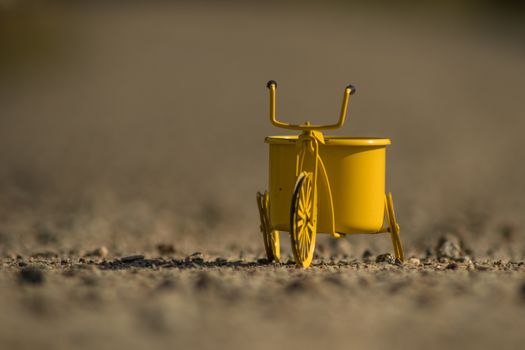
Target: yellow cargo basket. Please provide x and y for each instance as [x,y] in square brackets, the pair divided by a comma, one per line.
[324,184]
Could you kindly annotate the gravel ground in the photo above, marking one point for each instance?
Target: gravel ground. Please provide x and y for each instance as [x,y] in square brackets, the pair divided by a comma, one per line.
[200,301]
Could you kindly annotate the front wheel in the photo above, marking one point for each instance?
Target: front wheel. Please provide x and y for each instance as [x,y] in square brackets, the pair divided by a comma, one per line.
[303,219]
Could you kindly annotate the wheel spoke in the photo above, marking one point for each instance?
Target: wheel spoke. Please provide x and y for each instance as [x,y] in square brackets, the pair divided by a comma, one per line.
[308,200]
[299,233]
[301,204]
[304,244]
[308,235]
[307,205]
[305,202]
[310,226]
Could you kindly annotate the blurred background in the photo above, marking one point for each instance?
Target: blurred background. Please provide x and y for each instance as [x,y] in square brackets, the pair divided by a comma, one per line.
[127,124]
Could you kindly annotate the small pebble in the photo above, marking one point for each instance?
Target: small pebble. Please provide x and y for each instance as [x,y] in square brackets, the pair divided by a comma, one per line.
[386,258]
[452,266]
[44,255]
[481,267]
[100,252]
[196,255]
[131,258]
[367,255]
[221,261]
[465,259]
[414,261]
[449,247]
[31,275]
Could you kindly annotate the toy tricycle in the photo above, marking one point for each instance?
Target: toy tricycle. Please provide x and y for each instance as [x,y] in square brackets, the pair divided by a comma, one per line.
[324,184]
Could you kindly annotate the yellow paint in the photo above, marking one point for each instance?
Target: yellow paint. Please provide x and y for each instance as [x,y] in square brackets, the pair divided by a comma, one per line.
[357,181]
[272,86]
[270,236]
[325,184]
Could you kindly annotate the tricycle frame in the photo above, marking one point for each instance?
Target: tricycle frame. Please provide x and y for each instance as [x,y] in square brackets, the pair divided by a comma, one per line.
[309,169]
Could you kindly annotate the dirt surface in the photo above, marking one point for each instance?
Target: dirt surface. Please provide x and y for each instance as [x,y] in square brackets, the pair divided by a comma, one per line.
[200,301]
[131,139]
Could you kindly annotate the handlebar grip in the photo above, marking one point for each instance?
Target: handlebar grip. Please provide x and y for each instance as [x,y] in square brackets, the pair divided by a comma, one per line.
[270,83]
[352,89]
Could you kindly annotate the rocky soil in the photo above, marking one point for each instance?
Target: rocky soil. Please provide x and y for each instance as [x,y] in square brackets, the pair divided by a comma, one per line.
[163,299]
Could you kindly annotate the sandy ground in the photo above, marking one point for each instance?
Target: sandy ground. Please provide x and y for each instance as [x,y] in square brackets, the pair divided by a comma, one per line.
[129,127]
[64,302]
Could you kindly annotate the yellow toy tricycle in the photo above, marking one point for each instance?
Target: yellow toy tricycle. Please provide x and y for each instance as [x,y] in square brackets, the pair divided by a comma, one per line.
[325,184]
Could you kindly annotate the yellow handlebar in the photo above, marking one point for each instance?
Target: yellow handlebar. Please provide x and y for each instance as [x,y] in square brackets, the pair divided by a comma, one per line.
[272,86]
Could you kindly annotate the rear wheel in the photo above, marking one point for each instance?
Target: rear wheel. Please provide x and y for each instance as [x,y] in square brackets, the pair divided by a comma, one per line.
[270,237]
[303,220]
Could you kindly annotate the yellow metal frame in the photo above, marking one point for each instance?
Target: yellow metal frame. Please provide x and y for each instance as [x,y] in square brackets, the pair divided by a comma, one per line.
[309,163]
[272,86]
